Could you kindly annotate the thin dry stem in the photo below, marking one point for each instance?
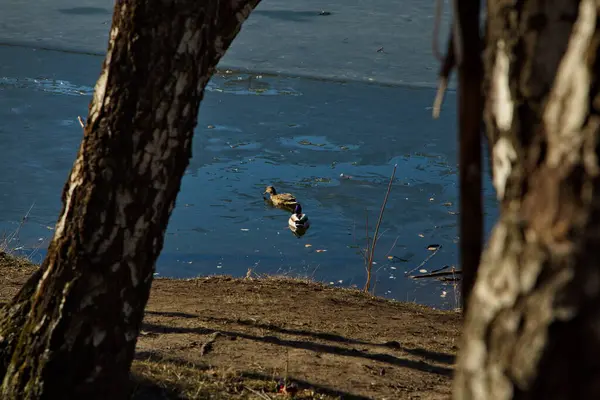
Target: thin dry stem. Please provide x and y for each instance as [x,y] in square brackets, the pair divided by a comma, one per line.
[365,254]
[448,64]
[5,245]
[393,246]
[457,299]
[373,245]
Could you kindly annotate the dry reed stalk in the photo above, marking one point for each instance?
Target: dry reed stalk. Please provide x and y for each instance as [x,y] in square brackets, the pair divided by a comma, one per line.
[372,244]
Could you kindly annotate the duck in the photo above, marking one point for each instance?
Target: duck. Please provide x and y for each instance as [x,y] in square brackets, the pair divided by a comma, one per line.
[298,221]
[282,200]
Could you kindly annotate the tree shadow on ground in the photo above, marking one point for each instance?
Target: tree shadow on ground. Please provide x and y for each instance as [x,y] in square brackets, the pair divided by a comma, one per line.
[143,388]
[173,314]
[308,345]
[154,389]
[332,337]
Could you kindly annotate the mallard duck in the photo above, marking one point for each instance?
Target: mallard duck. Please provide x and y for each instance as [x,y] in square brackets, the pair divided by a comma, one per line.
[298,221]
[283,200]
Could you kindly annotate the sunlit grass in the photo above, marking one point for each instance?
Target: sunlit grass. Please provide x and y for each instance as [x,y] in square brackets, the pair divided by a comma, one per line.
[160,378]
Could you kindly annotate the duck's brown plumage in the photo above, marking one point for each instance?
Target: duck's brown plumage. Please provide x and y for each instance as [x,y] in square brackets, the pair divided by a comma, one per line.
[284,200]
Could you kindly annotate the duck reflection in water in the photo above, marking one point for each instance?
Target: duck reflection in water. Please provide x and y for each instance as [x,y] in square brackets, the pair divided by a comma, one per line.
[298,221]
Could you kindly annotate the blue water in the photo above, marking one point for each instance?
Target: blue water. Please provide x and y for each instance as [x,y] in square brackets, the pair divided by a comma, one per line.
[331,137]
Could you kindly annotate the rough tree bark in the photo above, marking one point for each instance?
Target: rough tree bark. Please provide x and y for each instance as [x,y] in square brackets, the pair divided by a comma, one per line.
[71,331]
[533,326]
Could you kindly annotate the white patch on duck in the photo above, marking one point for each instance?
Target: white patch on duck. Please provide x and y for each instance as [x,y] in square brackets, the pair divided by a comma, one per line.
[298,220]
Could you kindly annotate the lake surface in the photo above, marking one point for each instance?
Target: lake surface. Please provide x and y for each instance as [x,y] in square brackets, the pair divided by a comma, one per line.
[327,128]
[279,37]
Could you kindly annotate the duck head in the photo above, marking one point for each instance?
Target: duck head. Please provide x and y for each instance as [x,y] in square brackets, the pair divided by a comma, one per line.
[270,190]
[298,209]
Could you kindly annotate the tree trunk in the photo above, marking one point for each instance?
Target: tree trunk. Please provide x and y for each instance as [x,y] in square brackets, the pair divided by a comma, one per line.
[469,111]
[532,329]
[79,317]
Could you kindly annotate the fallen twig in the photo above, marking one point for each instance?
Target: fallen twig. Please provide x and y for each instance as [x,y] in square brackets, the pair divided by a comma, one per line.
[207,346]
[436,274]
[262,395]
[424,261]
[441,269]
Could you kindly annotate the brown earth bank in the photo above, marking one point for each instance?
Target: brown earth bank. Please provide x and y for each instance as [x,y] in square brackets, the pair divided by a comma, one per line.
[227,338]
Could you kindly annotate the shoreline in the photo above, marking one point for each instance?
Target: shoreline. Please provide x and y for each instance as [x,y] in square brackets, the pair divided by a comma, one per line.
[236,338]
[225,69]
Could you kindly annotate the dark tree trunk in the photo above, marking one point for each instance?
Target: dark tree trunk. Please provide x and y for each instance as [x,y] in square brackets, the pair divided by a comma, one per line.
[12,319]
[469,112]
[71,331]
[532,329]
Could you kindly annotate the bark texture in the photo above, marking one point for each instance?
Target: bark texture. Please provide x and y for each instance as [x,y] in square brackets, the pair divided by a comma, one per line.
[71,332]
[533,326]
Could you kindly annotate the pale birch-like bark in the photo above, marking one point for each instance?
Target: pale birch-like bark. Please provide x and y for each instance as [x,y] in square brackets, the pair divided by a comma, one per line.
[71,331]
[533,326]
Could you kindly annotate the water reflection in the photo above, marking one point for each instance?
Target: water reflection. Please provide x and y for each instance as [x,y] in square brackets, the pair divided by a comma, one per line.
[46,85]
[250,84]
[332,145]
[299,222]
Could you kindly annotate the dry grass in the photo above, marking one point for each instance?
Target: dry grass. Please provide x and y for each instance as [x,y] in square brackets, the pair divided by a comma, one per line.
[10,241]
[236,338]
[162,378]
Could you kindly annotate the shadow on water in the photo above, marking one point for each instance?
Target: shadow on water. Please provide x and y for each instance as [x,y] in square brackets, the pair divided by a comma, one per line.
[290,15]
[333,145]
[85,11]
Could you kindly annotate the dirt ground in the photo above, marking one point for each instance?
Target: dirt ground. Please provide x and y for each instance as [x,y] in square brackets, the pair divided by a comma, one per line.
[226,338]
